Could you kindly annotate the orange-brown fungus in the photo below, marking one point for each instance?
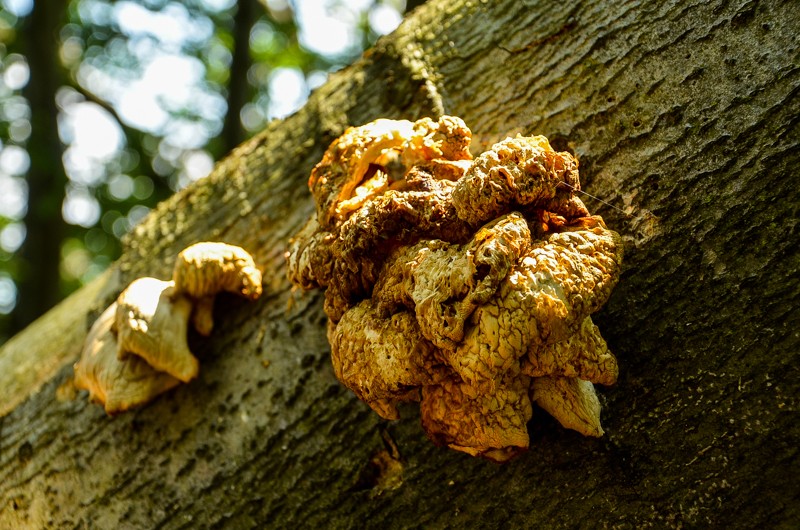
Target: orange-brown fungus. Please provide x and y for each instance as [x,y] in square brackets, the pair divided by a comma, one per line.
[138,348]
[464,284]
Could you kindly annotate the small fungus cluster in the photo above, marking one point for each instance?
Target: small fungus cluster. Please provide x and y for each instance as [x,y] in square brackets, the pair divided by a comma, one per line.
[138,347]
[464,284]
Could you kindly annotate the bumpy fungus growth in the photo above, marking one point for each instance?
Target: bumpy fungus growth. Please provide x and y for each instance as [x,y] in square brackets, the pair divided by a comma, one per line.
[464,284]
[138,347]
[116,384]
[152,322]
[205,269]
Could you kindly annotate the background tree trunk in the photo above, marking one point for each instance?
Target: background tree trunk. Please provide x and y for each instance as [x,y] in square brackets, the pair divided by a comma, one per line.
[239,89]
[683,114]
[39,283]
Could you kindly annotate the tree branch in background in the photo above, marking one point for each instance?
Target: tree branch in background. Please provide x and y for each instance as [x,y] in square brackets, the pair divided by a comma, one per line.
[132,135]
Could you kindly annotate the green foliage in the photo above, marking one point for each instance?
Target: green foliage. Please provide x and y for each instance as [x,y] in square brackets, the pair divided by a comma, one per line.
[164,93]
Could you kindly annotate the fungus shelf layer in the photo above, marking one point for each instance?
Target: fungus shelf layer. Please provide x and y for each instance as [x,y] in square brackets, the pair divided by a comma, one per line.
[464,284]
[138,348]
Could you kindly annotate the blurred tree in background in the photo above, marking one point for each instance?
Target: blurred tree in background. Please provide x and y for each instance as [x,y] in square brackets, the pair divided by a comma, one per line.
[107,107]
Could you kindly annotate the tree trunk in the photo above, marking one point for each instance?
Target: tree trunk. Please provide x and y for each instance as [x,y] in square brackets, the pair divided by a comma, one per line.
[239,88]
[39,281]
[683,115]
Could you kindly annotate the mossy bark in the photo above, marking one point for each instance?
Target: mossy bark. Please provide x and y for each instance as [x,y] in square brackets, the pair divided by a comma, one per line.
[684,115]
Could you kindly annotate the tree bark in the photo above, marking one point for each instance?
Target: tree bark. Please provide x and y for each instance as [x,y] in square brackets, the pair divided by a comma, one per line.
[683,115]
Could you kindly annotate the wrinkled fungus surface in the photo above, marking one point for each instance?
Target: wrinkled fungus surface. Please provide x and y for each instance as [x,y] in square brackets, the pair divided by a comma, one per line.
[466,285]
[152,323]
[116,384]
[138,348]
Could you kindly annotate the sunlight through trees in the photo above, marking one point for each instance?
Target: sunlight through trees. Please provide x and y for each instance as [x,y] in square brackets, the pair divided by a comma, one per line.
[107,107]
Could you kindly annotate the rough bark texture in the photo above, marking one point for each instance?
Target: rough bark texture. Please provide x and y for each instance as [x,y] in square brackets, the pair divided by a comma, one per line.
[684,114]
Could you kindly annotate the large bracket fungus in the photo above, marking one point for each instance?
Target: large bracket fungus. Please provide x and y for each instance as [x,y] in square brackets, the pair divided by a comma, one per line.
[138,348]
[464,284]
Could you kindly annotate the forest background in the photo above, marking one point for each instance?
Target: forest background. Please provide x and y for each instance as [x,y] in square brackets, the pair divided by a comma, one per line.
[108,107]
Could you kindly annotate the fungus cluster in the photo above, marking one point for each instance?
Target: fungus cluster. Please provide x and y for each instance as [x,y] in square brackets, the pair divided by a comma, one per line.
[138,347]
[464,284]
